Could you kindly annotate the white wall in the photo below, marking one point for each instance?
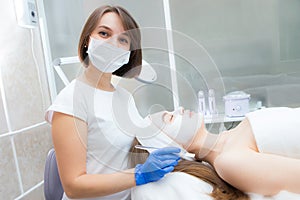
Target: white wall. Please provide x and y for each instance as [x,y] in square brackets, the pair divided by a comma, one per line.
[24,136]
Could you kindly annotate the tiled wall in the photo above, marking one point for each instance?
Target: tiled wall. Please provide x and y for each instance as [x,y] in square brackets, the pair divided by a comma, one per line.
[25,138]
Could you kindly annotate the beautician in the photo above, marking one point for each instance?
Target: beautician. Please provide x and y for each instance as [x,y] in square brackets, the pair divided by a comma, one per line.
[92,151]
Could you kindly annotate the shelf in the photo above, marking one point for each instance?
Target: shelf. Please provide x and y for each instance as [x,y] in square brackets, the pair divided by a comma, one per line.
[220,118]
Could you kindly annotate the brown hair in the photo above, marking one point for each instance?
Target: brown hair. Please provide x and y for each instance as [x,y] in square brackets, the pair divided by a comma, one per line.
[133,67]
[221,189]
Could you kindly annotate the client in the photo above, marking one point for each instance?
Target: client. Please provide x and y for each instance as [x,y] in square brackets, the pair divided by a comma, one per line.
[220,189]
[261,155]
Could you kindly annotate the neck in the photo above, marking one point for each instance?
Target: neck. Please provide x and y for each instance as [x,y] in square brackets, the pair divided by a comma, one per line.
[209,146]
[95,78]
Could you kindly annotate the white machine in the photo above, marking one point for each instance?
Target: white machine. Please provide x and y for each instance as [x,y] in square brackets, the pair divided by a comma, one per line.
[236,104]
[26,13]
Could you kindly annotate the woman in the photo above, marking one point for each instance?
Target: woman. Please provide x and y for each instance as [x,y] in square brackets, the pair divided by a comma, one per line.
[261,155]
[179,185]
[92,152]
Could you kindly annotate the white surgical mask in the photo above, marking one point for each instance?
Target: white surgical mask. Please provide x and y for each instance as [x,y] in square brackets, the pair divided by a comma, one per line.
[106,57]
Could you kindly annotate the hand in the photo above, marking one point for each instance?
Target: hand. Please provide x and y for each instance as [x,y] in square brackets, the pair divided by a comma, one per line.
[159,163]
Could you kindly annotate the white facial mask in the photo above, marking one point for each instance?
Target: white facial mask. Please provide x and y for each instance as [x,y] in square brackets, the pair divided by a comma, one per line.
[106,57]
[183,129]
[159,134]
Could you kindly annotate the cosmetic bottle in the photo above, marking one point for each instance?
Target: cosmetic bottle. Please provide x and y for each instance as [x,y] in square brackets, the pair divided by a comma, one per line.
[212,102]
[201,102]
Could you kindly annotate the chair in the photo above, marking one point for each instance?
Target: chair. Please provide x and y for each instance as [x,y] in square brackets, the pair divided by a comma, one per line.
[53,189]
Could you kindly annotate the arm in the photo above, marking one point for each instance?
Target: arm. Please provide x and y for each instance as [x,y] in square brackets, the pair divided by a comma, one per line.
[265,174]
[70,139]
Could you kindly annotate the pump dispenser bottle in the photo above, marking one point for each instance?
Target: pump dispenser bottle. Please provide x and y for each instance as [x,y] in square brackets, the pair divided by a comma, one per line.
[201,102]
[212,102]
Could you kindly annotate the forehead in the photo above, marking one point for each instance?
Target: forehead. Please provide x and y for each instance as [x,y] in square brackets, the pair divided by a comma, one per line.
[112,21]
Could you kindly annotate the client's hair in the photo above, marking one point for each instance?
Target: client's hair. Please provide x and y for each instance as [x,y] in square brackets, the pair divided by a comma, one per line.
[203,171]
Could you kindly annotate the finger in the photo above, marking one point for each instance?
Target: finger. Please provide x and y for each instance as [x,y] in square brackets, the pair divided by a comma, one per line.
[166,150]
[167,163]
[168,169]
[167,157]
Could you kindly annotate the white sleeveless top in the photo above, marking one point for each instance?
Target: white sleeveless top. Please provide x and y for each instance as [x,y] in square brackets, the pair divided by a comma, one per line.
[108,143]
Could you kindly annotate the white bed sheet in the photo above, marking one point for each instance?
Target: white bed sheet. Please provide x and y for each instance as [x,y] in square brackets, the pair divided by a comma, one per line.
[181,186]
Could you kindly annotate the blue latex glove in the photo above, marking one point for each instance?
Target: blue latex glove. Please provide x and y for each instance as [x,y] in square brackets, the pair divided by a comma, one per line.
[159,163]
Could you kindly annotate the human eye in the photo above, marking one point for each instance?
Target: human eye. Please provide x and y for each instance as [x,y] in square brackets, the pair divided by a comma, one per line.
[123,39]
[104,34]
[168,118]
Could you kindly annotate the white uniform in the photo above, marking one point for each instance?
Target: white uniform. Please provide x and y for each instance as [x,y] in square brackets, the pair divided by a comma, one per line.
[107,144]
[276,130]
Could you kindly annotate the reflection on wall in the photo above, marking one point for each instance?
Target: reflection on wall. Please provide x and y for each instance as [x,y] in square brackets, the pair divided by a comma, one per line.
[248,41]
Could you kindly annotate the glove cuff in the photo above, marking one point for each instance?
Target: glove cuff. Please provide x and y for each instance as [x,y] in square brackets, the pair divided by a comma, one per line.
[139,178]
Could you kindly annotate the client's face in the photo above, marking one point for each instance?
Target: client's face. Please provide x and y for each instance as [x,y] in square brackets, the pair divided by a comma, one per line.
[181,125]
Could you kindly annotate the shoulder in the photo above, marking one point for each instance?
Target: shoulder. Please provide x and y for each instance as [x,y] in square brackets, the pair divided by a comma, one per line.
[123,95]
[65,96]
[225,160]
[123,91]
[227,164]
[75,90]
[70,100]
[277,111]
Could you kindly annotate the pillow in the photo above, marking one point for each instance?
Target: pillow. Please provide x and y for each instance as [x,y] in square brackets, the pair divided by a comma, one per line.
[175,186]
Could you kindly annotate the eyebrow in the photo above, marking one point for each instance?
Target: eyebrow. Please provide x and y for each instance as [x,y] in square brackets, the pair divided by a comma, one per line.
[125,33]
[105,27]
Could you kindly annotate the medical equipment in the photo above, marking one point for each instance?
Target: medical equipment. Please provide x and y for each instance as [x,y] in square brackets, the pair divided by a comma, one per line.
[183,154]
[26,13]
[147,75]
[236,104]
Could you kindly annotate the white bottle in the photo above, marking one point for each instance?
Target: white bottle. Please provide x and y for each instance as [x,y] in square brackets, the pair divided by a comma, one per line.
[201,102]
[212,102]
